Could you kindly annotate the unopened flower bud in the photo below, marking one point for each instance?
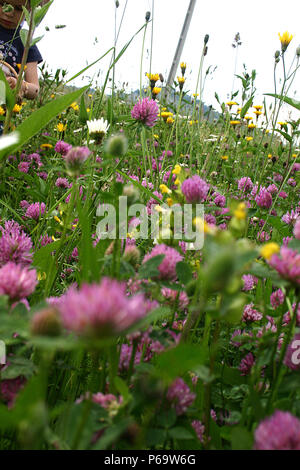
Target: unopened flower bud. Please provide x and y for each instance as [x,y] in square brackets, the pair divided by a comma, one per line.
[76,157]
[277,54]
[46,323]
[161,77]
[117,3]
[116,145]
[132,193]
[132,255]
[205,50]
[298,51]
[148,16]
[206,38]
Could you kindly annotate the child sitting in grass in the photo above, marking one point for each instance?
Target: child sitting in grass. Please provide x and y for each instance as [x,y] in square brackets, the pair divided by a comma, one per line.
[11,47]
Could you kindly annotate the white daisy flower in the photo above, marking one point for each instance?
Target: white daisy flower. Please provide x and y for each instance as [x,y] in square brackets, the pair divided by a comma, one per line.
[98,126]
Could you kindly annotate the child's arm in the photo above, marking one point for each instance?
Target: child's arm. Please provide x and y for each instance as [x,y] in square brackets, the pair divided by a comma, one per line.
[30,86]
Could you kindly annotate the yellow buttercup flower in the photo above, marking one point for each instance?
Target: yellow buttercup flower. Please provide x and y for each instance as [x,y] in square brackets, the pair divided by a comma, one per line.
[61,127]
[177,169]
[74,106]
[17,108]
[270,156]
[270,249]
[164,189]
[285,39]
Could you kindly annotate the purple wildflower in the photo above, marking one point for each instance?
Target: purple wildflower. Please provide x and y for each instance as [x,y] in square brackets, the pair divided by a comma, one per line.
[36,210]
[146,111]
[101,309]
[281,431]
[245,184]
[62,147]
[287,264]
[249,282]
[180,395]
[15,245]
[17,282]
[277,298]
[199,429]
[76,156]
[264,199]
[194,189]
[290,217]
[250,314]
[23,167]
[297,229]
[62,183]
[246,364]
[167,267]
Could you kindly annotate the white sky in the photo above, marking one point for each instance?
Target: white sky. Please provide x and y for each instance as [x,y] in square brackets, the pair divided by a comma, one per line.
[257,21]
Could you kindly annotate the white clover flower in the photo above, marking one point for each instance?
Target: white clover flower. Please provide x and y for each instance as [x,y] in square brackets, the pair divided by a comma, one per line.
[98,126]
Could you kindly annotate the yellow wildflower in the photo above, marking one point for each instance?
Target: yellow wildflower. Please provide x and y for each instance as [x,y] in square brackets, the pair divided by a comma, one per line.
[251,125]
[234,123]
[2,111]
[156,91]
[258,113]
[61,127]
[153,77]
[268,250]
[52,96]
[258,107]
[57,219]
[166,114]
[241,211]
[201,225]
[177,182]
[46,146]
[183,67]
[224,157]
[74,106]
[285,39]
[17,108]
[164,189]
[177,169]
[270,156]
[170,201]
[248,118]
[170,120]
[282,123]
[156,136]
[294,155]
[249,138]
[231,103]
